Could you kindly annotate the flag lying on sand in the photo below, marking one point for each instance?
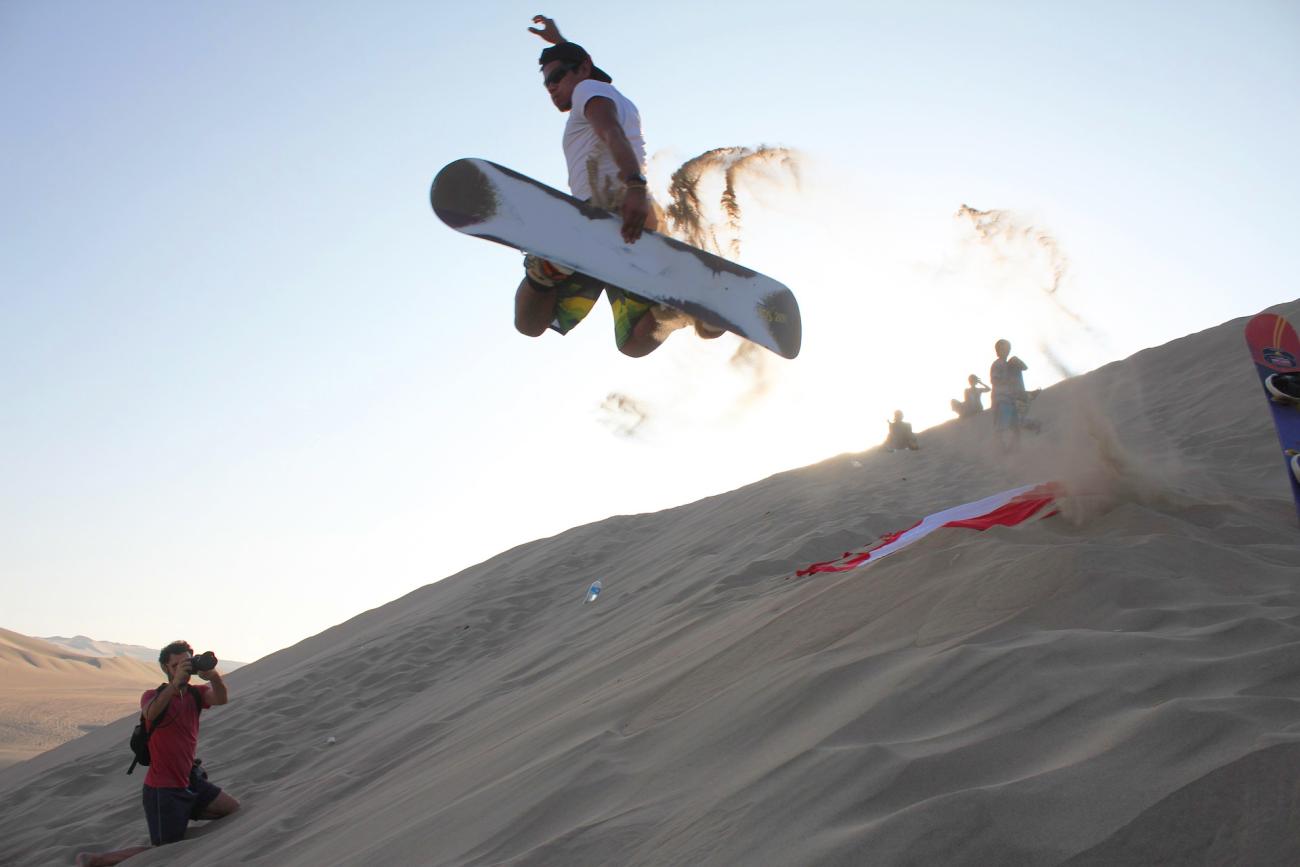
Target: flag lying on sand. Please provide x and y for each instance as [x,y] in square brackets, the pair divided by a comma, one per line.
[1000,510]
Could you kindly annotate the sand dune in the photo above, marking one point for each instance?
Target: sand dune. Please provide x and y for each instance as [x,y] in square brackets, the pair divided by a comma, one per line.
[92,647]
[50,694]
[1119,684]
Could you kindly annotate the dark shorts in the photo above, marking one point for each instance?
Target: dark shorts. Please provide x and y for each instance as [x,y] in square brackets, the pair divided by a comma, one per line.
[168,811]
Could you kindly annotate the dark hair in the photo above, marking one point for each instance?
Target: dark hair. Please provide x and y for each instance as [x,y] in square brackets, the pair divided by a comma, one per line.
[575,55]
[177,646]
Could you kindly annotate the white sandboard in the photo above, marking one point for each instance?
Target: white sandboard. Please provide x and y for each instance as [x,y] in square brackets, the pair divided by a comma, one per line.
[481,198]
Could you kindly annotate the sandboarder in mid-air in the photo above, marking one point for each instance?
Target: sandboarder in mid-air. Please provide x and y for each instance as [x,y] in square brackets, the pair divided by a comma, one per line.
[605,152]
[604,237]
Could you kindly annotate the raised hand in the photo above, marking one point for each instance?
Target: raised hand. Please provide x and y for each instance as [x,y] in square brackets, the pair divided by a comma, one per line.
[548,31]
[181,674]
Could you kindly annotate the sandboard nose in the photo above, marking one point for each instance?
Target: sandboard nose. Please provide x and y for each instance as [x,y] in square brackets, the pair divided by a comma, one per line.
[781,311]
[462,195]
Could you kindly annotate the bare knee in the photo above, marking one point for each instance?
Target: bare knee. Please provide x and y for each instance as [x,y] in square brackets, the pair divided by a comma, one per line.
[643,340]
[635,349]
[534,310]
[529,328]
[223,805]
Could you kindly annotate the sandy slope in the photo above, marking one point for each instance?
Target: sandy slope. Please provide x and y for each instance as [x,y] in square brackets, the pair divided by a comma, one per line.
[1117,685]
[50,694]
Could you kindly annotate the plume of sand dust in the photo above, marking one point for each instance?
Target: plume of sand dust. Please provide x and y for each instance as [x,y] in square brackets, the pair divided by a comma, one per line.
[752,362]
[1100,466]
[1057,363]
[1000,231]
[688,214]
[691,218]
[1085,451]
[714,226]
[623,414]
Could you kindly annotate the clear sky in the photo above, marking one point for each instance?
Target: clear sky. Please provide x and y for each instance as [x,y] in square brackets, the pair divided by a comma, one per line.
[251,386]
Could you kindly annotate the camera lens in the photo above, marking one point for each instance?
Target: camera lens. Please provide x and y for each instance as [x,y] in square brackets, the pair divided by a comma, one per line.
[205,661]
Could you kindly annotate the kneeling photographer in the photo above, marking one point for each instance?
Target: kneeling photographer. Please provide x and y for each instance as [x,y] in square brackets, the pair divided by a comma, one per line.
[176,789]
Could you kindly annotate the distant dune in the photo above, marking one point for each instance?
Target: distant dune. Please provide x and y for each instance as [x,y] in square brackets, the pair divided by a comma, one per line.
[92,647]
[1115,685]
[50,694]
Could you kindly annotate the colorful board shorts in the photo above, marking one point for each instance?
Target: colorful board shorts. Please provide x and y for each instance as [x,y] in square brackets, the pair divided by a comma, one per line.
[577,294]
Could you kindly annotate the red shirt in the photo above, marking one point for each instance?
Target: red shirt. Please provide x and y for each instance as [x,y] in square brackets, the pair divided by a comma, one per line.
[173,739]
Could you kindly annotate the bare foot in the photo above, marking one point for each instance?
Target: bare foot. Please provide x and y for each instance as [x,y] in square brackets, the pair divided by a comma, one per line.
[105,859]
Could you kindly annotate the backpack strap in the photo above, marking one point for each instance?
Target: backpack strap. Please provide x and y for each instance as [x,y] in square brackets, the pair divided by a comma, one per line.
[144,725]
[148,728]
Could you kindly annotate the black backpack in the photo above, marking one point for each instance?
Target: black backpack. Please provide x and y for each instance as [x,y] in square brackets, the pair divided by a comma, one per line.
[140,736]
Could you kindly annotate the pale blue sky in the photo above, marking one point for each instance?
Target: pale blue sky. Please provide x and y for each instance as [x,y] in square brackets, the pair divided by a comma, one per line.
[237,351]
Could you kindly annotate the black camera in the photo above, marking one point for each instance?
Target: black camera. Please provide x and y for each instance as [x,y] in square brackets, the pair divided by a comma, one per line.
[205,661]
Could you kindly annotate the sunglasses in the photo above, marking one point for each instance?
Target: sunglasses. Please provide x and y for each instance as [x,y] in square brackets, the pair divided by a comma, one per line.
[556,74]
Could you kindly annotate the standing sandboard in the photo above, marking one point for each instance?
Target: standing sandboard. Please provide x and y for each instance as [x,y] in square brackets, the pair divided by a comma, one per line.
[1276,352]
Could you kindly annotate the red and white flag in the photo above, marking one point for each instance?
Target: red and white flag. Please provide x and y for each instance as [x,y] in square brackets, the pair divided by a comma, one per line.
[1000,510]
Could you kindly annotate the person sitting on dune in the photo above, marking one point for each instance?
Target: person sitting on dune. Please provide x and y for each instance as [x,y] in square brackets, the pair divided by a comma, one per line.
[900,434]
[973,399]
